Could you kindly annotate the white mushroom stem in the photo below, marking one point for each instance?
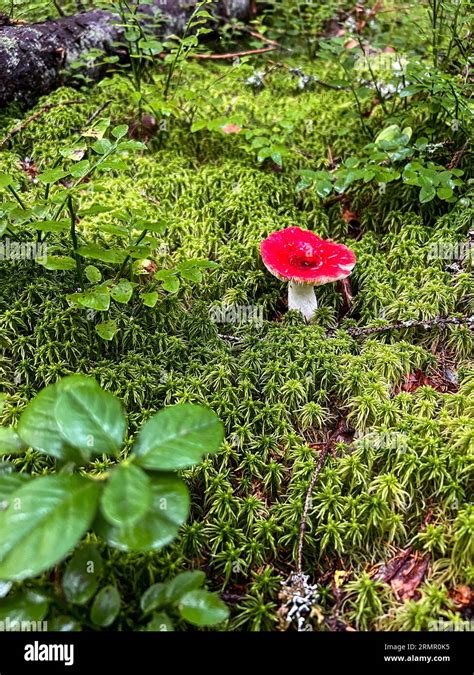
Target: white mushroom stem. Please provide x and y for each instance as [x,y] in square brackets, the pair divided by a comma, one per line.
[302,298]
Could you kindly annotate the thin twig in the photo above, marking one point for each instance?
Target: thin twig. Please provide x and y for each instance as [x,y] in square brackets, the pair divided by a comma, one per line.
[427,324]
[307,504]
[437,322]
[96,113]
[233,55]
[38,113]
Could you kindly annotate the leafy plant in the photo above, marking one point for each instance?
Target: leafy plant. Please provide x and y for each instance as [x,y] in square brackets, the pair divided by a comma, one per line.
[139,505]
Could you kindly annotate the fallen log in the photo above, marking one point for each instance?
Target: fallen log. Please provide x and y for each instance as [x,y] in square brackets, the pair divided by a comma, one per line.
[35,59]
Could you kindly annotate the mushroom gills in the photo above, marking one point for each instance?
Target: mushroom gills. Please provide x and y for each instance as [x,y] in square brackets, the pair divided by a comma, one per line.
[302,298]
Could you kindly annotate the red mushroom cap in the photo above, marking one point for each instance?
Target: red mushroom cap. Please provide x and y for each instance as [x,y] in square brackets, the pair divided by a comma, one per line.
[301,256]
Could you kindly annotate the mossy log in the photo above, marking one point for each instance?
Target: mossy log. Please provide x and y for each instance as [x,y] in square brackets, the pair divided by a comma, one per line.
[35,59]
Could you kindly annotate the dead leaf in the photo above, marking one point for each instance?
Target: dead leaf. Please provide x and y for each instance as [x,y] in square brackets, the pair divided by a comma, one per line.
[462,596]
[388,570]
[409,576]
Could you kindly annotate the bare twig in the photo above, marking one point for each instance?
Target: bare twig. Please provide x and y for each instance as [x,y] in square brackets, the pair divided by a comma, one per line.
[38,113]
[97,112]
[458,156]
[326,448]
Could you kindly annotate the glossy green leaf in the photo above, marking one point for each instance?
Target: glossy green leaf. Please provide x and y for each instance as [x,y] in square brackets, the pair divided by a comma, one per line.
[202,608]
[53,176]
[184,583]
[177,437]
[38,427]
[106,606]
[45,519]
[82,574]
[160,623]
[10,442]
[127,495]
[89,417]
[160,525]
[23,606]
[154,597]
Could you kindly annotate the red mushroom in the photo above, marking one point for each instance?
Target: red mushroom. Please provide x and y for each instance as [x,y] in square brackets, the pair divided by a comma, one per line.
[305,260]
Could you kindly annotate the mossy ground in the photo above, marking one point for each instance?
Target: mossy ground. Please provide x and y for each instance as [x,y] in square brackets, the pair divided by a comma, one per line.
[285,385]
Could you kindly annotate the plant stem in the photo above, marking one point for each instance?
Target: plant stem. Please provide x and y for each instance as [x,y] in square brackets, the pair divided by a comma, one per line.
[75,246]
[127,259]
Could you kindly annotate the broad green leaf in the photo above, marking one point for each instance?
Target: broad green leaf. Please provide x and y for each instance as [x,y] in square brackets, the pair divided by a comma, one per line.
[159,526]
[122,292]
[51,225]
[27,605]
[10,442]
[184,583]
[81,169]
[177,437]
[97,298]
[53,176]
[154,598]
[54,262]
[82,574]
[160,623]
[89,417]
[171,285]
[127,495]
[38,427]
[63,624]
[106,606]
[6,180]
[45,519]
[93,274]
[103,254]
[149,299]
[427,194]
[202,608]
[120,131]
[102,146]
[9,483]
[107,329]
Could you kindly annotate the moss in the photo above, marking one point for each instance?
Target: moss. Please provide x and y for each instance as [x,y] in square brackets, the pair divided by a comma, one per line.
[406,453]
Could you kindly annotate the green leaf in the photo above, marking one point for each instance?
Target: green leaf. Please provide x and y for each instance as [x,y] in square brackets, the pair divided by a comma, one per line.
[103,254]
[122,292]
[127,495]
[427,194]
[202,608]
[53,176]
[82,573]
[51,225]
[44,521]
[6,180]
[102,146]
[160,623]
[120,131]
[177,437]
[38,427]
[63,624]
[150,299]
[445,193]
[97,298]
[24,606]
[154,598]
[81,169]
[184,583]
[93,274]
[10,482]
[106,606]
[171,284]
[10,442]
[54,262]
[89,417]
[107,329]
[160,525]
